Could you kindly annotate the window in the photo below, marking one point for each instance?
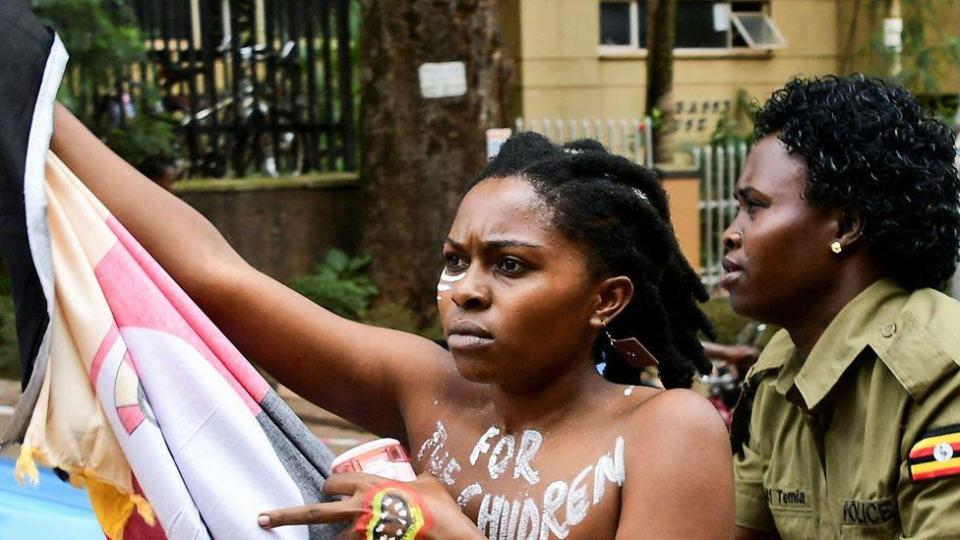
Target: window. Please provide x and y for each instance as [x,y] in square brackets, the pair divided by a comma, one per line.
[701,24]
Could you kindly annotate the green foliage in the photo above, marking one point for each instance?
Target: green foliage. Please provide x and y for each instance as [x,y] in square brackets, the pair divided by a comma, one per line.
[104,42]
[726,323]
[142,136]
[931,50]
[9,351]
[339,284]
[736,124]
[732,328]
[101,35]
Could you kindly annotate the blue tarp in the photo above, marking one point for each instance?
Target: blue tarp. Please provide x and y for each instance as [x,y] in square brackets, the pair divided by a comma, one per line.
[52,510]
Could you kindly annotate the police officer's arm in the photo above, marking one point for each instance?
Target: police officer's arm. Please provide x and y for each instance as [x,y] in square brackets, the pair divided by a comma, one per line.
[928,495]
[753,517]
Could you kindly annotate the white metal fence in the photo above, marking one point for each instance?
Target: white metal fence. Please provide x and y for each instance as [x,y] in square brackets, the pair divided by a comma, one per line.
[720,166]
[628,137]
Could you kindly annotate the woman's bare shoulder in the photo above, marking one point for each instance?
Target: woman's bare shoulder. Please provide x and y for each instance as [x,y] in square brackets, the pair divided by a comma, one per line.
[678,457]
[683,410]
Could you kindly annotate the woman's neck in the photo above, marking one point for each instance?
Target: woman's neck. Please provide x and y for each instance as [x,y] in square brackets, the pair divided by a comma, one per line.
[546,403]
[805,330]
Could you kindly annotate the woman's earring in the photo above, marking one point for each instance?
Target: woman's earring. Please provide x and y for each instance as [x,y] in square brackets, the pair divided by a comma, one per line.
[836,247]
[606,332]
[631,350]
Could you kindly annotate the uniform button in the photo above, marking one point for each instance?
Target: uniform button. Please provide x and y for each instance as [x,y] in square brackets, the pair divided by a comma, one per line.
[889,330]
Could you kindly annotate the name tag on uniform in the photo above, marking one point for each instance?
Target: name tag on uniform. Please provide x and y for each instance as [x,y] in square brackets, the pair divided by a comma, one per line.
[788,498]
[868,513]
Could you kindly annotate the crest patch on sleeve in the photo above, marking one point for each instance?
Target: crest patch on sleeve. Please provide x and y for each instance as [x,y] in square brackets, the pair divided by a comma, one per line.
[936,454]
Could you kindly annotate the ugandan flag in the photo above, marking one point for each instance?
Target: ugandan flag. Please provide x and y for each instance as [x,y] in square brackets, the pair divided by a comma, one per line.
[129,389]
[936,455]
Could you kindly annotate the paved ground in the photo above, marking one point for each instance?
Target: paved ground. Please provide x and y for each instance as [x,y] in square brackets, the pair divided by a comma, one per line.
[336,432]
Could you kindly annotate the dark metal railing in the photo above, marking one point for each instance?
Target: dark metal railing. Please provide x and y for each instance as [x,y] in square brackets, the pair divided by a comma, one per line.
[262,87]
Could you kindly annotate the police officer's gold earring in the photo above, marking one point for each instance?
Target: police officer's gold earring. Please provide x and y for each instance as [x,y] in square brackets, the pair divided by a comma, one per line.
[836,247]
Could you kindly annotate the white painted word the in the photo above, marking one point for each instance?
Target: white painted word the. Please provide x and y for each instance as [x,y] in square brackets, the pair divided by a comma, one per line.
[441,464]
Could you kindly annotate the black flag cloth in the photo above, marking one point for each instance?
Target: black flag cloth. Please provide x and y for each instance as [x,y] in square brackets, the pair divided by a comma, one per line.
[31,66]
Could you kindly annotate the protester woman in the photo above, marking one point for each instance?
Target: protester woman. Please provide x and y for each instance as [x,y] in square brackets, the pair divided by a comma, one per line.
[847,225]
[558,259]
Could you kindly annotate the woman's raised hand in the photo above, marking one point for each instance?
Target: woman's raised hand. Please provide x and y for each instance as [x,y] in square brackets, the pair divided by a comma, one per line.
[421,510]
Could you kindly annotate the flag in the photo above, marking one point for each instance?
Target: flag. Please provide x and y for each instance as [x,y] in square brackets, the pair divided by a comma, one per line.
[128,387]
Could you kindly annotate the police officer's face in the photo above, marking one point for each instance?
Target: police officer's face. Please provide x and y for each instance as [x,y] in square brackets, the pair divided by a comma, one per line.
[778,259]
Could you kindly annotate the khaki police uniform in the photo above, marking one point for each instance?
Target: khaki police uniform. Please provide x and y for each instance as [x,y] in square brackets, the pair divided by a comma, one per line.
[861,440]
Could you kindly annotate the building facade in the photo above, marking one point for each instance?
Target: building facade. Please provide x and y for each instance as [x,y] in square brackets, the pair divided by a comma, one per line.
[586,58]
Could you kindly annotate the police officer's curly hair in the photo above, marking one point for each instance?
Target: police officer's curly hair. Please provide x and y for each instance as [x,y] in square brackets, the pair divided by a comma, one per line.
[618,211]
[871,149]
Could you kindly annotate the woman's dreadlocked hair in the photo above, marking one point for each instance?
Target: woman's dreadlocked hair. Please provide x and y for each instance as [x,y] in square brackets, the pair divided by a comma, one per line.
[618,211]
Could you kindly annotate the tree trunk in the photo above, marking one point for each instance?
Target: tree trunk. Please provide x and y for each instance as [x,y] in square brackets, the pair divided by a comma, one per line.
[661,34]
[418,153]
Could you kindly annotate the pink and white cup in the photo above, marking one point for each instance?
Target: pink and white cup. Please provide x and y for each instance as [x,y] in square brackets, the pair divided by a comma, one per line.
[383,457]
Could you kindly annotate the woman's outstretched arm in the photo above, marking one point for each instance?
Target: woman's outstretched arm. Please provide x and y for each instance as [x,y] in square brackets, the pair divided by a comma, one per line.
[359,372]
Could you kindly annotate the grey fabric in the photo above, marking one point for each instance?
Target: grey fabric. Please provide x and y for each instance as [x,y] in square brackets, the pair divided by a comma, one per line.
[305,458]
[954,289]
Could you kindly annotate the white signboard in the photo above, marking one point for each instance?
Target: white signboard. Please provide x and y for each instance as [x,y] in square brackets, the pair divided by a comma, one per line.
[893,33]
[495,139]
[443,79]
[721,17]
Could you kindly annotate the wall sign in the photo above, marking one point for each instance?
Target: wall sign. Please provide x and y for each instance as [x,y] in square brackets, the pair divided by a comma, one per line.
[443,79]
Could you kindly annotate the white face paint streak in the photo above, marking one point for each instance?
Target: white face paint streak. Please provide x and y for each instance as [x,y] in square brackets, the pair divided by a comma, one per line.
[442,287]
[447,277]
[629,390]
[529,446]
[469,492]
[495,467]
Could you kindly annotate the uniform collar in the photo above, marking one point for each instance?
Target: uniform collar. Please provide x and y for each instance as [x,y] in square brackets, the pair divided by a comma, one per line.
[910,332]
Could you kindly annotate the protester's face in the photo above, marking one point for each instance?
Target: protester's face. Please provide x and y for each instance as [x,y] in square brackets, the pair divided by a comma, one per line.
[515,296]
[778,256]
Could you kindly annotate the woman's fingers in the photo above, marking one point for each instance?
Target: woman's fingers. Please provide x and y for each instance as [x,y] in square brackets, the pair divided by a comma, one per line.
[329,512]
[351,483]
[346,484]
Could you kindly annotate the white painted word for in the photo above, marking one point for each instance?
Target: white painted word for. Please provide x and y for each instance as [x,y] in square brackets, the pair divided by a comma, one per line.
[503,453]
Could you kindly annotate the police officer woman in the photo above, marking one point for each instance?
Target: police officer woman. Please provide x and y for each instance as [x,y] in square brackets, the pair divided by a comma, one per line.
[847,224]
